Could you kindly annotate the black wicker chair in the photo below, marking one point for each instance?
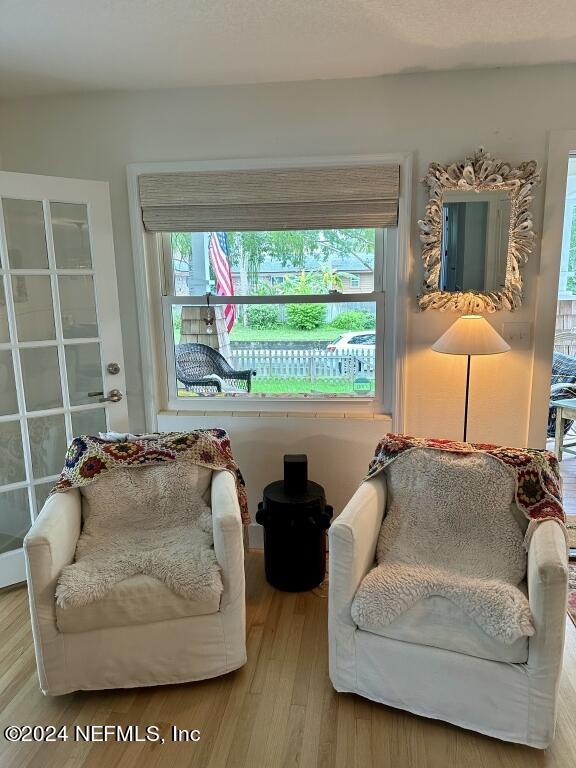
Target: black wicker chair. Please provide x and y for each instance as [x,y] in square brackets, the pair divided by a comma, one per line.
[196,361]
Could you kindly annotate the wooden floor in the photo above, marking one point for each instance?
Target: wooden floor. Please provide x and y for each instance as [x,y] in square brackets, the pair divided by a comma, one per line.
[568,472]
[279,711]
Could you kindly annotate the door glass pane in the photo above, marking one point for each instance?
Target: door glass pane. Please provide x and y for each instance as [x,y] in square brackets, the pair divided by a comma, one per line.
[78,306]
[8,399]
[25,234]
[89,422]
[71,237]
[14,519]
[84,370]
[11,453]
[4,330]
[42,490]
[41,375]
[47,444]
[33,307]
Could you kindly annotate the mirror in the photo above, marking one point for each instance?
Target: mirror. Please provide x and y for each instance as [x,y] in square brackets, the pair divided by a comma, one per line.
[476,231]
[474,241]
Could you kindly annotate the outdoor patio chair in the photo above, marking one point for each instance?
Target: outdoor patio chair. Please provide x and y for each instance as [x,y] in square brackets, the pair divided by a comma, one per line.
[200,367]
[562,386]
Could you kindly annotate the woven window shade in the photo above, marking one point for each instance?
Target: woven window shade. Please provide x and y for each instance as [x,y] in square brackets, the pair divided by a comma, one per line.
[292,198]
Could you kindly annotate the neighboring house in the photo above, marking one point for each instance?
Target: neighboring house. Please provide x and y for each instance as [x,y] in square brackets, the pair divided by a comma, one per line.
[358,278]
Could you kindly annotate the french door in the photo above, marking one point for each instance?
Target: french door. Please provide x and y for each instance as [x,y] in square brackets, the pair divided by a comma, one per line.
[61,361]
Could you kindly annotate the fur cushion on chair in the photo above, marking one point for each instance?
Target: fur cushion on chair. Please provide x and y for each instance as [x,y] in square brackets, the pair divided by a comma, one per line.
[152,520]
[449,530]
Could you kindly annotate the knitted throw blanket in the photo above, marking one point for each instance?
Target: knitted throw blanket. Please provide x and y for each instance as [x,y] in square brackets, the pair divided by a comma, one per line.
[88,457]
[537,473]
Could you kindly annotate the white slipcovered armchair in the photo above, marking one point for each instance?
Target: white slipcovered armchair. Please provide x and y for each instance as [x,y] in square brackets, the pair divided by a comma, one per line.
[141,633]
[413,669]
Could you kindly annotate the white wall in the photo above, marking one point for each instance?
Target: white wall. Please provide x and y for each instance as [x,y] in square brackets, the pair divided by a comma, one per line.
[338,449]
[438,116]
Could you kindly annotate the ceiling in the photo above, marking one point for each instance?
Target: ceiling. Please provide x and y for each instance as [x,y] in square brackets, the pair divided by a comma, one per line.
[49,46]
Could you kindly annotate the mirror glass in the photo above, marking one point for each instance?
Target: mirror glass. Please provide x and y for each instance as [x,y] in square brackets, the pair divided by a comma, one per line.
[474,248]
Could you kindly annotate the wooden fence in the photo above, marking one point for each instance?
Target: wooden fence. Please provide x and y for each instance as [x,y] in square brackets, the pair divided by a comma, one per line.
[565,341]
[304,363]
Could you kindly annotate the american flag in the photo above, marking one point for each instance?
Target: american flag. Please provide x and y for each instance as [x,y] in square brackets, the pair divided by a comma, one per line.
[218,252]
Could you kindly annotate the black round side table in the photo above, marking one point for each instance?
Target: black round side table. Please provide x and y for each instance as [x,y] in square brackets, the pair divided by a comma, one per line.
[295,517]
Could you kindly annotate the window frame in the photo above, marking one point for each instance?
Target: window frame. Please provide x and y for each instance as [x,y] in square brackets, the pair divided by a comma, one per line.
[561,146]
[392,313]
[170,299]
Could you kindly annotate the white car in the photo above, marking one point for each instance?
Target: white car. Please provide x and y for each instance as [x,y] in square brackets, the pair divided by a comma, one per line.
[363,343]
[353,340]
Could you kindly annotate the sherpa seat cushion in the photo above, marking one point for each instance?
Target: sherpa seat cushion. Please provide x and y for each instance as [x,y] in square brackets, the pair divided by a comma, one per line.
[150,521]
[449,532]
[138,600]
[438,622]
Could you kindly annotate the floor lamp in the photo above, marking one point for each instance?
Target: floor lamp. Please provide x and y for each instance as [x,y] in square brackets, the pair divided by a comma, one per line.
[470,335]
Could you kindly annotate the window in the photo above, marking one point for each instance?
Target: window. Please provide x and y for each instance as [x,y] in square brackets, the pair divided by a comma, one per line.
[284,211]
[565,336]
[567,286]
[354,281]
[279,319]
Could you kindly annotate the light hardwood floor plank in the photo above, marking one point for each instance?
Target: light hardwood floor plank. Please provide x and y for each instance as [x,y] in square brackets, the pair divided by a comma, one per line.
[279,711]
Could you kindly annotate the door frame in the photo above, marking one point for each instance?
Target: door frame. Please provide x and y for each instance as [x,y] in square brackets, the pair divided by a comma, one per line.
[95,195]
[560,145]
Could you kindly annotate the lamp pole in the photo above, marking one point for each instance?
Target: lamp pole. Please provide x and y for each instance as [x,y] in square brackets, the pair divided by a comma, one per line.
[467,393]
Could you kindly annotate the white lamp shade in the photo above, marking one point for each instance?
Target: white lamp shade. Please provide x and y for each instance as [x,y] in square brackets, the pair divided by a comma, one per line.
[471,335]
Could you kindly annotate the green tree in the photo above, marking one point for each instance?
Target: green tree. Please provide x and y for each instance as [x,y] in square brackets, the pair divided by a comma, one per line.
[248,250]
[356,243]
[571,282]
[305,317]
[181,248]
[262,316]
[354,320]
[323,280]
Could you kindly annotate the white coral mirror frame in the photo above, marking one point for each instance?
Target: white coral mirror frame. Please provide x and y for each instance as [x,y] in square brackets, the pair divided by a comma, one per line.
[481,173]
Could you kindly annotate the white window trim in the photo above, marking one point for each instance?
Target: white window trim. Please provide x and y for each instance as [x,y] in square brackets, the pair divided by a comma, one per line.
[390,385]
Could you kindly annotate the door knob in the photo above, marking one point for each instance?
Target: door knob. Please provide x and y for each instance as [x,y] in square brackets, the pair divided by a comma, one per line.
[114,396]
[113,368]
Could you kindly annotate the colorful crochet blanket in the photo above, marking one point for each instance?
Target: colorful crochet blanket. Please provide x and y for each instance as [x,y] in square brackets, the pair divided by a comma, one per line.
[87,457]
[537,473]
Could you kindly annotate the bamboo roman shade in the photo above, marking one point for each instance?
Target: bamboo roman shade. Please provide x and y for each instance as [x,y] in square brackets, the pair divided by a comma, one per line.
[288,198]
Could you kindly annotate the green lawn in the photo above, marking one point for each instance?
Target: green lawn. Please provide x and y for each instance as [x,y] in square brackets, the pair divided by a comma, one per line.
[296,386]
[284,333]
